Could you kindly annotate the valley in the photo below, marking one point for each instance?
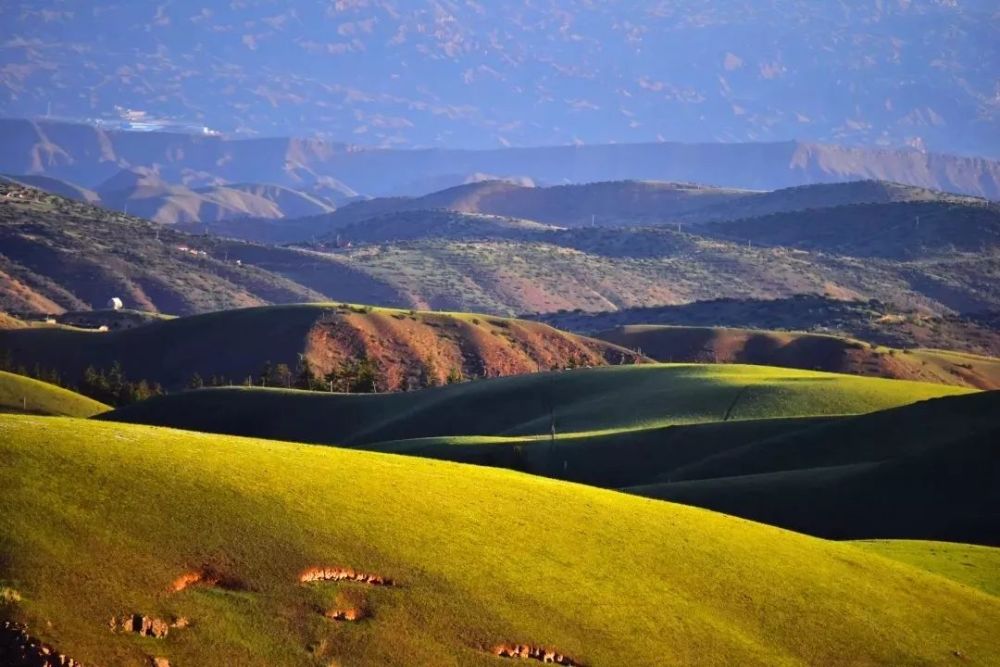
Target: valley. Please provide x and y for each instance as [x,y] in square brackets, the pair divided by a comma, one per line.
[448,333]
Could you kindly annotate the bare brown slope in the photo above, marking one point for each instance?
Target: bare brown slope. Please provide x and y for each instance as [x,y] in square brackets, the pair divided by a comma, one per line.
[410,348]
[807,351]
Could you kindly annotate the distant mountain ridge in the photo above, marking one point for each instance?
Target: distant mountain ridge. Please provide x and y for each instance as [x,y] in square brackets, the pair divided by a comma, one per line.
[88,155]
[448,73]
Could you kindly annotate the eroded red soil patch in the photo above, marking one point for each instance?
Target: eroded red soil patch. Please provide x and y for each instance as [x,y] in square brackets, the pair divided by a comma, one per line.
[206,576]
[344,574]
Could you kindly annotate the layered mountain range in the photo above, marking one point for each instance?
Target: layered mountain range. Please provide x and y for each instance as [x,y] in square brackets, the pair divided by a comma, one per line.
[89,157]
[447,73]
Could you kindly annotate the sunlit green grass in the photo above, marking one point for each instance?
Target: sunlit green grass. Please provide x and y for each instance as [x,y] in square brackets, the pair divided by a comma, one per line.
[970,564]
[99,518]
[23,394]
[582,401]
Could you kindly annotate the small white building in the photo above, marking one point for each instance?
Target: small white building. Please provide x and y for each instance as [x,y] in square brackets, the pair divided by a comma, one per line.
[114,303]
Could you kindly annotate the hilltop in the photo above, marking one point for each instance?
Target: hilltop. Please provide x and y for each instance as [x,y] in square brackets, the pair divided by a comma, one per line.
[609,204]
[142,192]
[606,204]
[579,402]
[407,349]
[899,230]
[871,321]
[804,350]
[23,394]
[260,566]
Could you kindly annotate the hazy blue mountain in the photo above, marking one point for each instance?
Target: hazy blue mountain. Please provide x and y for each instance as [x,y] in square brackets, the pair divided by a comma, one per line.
[455,73]
[89,156]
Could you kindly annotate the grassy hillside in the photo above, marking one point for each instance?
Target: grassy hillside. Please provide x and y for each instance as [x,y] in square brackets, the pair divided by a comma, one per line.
[55,186]
[926,471]
[868,320]
[897,230]
[602,269]
[438,224]
[804,350]
[579,402]
[23,394]
[51,244]
[410,348]
[942,494]
[57,255]
[478,558]
[969,564]
[725,437]
[826,195]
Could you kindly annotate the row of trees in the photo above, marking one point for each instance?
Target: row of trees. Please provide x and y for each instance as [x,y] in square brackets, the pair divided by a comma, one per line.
[355,375]
[108,385]
[359,375]
[113,387]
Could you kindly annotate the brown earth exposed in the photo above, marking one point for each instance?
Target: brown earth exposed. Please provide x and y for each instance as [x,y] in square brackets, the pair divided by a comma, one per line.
[804,350]
[314,574]
[410,349]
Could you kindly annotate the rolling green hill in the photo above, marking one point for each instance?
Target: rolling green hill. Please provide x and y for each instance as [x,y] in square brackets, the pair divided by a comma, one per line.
[970,564]
[805,350]
[584,401]
[925,471]
[712,436]
[409,349]
[943,494]
[478,559]
[24,394]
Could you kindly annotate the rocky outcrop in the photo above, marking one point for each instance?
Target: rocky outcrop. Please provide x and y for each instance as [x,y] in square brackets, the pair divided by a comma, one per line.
[344,574]
[528,652]
[147,626]
[20,649]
